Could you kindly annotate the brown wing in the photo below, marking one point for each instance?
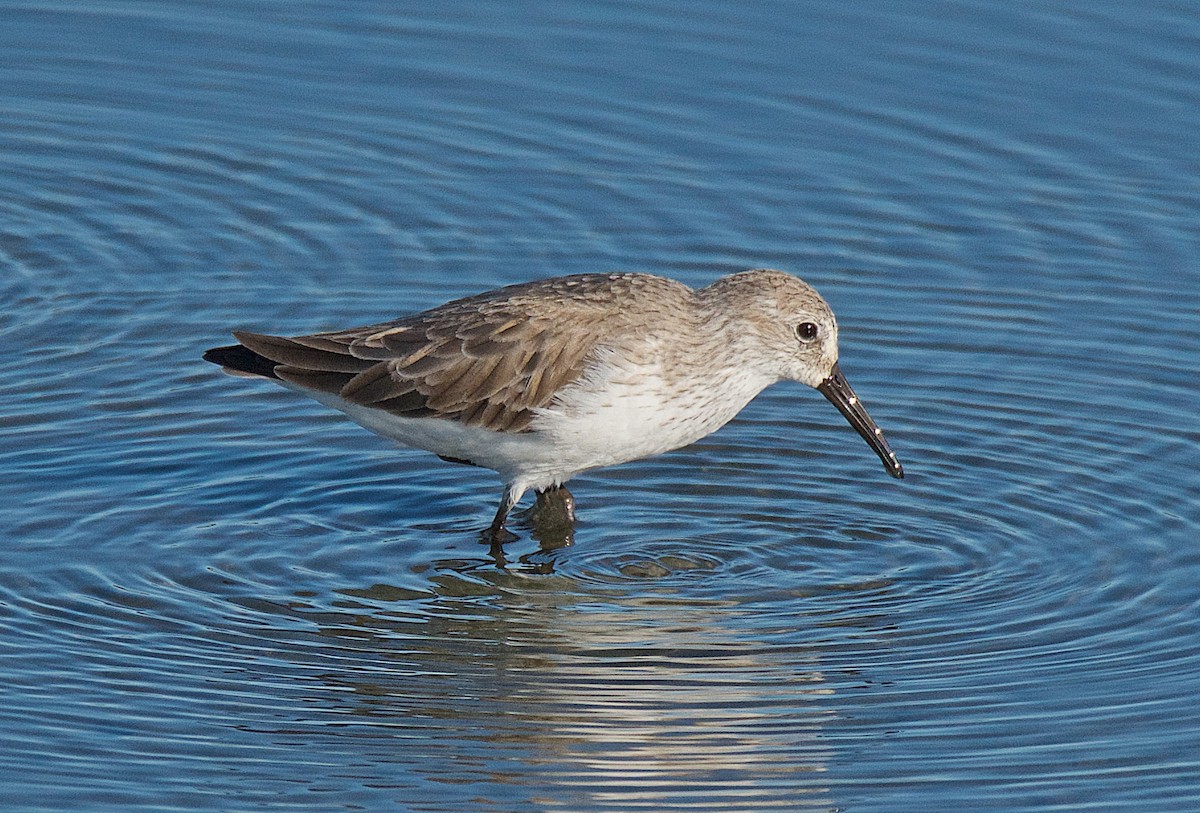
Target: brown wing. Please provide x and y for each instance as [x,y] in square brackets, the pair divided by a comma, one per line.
[486,361]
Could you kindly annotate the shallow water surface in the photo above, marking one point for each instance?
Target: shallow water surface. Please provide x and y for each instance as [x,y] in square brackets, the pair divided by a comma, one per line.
[216,595]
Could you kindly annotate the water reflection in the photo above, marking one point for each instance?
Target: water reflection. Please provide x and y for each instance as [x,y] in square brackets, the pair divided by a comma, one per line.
[215,598]
[609,704]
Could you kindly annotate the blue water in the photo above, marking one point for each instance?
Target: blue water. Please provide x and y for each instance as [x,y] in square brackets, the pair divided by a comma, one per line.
[217,595]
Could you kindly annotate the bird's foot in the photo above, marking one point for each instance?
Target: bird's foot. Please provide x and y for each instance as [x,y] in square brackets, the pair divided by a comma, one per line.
[497,536]
[551,518]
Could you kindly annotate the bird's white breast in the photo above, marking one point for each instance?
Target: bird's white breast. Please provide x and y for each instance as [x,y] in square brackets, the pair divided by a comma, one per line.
[620,411]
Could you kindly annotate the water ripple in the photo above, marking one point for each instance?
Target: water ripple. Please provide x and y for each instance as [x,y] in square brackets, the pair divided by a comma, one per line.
[238,596]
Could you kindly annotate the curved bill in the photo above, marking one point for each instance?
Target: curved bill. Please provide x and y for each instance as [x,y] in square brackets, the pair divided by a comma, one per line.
[838,391]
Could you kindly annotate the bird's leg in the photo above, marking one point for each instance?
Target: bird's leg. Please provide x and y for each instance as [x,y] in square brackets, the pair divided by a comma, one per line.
[497,534]
[554,509]
[553,518]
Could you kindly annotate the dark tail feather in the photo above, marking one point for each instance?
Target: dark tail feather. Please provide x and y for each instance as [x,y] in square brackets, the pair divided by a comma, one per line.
[242,359]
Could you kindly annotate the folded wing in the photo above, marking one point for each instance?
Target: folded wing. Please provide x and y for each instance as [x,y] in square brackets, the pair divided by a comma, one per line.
[484,366]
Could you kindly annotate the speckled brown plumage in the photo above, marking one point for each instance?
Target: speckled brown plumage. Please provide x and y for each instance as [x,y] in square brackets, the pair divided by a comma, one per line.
[487,360]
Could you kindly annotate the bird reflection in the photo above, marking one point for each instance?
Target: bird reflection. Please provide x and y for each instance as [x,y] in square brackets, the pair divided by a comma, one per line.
[579,695]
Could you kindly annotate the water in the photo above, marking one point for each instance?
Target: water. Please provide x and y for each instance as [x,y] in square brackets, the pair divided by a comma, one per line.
[216,595]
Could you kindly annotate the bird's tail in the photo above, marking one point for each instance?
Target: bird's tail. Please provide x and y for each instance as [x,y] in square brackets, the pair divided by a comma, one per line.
[241,360]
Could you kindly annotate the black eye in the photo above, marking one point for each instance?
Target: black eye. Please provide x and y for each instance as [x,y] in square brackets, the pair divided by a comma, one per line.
[807,331]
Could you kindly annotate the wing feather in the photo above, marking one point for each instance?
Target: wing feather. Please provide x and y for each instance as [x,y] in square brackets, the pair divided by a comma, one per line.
[371,386]
[301,355]
[491,360]
[313,379]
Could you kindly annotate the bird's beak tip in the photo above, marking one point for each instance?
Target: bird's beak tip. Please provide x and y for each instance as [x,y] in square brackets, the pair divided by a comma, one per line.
[838,391]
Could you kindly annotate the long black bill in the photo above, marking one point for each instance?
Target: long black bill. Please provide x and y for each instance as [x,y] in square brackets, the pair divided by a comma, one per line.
[838,391]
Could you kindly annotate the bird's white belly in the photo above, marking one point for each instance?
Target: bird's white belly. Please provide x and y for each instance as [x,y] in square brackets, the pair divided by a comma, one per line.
[594,422]
[505,452]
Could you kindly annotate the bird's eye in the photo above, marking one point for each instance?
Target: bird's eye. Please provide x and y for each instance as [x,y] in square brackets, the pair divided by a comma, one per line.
[807,331]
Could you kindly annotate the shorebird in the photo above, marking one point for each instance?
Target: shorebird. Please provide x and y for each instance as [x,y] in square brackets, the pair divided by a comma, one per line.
[543,380]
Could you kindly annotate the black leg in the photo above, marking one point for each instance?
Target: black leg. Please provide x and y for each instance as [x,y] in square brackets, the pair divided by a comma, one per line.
[496,532]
